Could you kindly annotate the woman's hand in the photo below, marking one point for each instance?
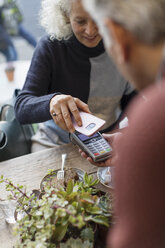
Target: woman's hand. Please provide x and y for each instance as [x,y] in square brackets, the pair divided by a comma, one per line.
[108,162]
[61,108]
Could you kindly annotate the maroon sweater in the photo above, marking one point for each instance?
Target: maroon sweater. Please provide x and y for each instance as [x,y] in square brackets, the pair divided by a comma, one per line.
[140,176]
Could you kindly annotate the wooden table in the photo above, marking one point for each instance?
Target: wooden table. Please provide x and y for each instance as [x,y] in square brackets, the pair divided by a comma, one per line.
[30,169]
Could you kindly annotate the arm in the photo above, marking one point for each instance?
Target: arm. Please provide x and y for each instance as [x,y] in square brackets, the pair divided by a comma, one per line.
[40,98]
[32,104]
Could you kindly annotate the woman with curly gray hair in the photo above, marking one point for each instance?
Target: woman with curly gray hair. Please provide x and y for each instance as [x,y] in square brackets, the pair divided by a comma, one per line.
[70,71]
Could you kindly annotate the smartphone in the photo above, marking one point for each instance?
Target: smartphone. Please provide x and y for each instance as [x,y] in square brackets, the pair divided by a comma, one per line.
[90,123]
[95,146]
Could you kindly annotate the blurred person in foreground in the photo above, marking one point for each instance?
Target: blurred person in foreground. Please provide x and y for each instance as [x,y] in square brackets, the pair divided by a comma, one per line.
[69,70]
[134,35]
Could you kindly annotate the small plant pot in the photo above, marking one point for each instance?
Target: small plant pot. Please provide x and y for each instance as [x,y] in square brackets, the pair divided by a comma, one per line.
[51,179]
[67,212]
[9,70]
[10,75]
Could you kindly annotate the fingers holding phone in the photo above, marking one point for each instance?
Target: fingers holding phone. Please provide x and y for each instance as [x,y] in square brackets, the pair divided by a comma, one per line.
[90,123]
[61,109]
[75,106]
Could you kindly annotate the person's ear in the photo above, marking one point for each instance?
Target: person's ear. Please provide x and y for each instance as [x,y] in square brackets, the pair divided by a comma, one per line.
[120,38]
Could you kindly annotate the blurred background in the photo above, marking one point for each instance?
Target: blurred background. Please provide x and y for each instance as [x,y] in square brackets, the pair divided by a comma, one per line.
[29,10]
[20,31]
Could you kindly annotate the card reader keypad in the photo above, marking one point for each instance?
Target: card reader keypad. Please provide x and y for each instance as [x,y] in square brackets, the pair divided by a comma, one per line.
[99,147]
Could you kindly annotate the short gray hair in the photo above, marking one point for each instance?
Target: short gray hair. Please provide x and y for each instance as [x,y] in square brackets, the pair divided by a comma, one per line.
[145,19]
[53,17]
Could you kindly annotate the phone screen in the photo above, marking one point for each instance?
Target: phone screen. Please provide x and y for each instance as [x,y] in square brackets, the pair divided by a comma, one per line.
[83,137]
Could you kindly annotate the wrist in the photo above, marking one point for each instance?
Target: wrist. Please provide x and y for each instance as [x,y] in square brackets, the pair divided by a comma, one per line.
[57,93]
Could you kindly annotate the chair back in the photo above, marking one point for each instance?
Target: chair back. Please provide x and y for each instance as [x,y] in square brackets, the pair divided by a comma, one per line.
[15,139]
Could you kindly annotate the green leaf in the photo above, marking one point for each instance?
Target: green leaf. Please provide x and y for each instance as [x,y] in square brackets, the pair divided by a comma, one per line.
[48,213]
[90,178]
[60,232]
[39,213]
[94,210]
[40,224]
[95,182]
[87,234]
[62,193]
[85,197]
[76,243]
[70,186]
[75,204]
[1,179]
[86,178]
[72,197]
[101,220]
[60,212]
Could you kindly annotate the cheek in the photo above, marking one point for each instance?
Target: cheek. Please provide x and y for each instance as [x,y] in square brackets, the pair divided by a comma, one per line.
[76,28]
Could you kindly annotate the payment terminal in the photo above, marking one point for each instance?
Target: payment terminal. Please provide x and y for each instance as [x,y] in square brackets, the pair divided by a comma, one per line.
[95,146]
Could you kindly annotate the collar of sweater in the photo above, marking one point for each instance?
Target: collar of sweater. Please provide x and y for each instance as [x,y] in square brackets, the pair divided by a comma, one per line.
[84,50]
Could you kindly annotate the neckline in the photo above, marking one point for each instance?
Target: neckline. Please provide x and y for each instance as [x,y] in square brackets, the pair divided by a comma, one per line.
[84,50]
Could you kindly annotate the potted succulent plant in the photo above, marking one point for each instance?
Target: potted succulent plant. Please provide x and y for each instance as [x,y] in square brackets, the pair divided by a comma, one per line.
[67,216]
